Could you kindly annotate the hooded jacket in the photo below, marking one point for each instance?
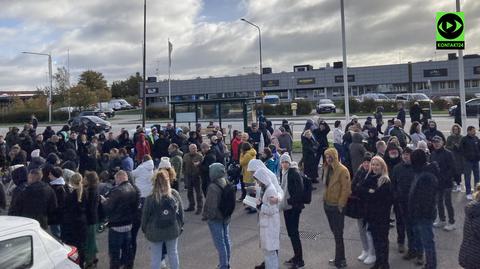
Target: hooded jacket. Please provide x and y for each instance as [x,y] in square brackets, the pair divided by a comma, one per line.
[357,151]
[177,162]
[255,165]
[444,159]
[432,132]
[142,147]
[56,216]
[189,169]
[245,158]
[211,209]
[337,181]
[269,216]
[453,144]
[470,147]
[143,178]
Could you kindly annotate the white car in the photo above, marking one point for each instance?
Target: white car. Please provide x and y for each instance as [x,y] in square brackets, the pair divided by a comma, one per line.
[326,106]
[377,97]
[24,244]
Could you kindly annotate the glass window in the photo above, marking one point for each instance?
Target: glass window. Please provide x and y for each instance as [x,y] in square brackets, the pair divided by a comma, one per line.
[16,253]
[467,84]
[442,85]
[451,84]
[474,83]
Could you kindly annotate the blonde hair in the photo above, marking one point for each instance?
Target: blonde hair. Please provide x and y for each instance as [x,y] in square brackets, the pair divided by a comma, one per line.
[171,174]
[476,194]
[76,182]
[161,185]
[384,178]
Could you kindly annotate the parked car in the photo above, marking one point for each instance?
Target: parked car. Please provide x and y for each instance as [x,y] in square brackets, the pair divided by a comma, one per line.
[271,100]
[24,244]
[108,111]
[412,97]
[119,104]
[97,113]
[326,106]
[91,122]
[377,97]
[66,109]
[472,107]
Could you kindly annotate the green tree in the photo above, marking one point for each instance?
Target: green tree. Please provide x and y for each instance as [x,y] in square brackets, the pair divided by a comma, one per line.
[82,97]
[61,88]
[93,80]
[126,88]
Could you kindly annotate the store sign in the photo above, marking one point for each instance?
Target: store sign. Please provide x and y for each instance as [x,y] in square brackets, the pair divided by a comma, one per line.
[435,73]
[339,79]
[476,70]
[450,32]
[270,83]
[151,90]
[305,81]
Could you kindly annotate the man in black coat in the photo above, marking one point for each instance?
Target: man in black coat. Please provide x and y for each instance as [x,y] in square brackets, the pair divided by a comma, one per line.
[401,115]
[120,205]
[422,201]
[470,148]
[402,177]
[57,183]
[432,132]
[110,143]
[209,158]
[72,142]
[415,112]
[37,201]
[446,164]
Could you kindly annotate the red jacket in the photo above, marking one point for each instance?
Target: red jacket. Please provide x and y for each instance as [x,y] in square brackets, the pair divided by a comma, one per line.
[142,147]
[235,148]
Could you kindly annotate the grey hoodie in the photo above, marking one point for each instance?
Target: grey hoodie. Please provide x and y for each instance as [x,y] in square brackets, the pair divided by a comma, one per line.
[211,209]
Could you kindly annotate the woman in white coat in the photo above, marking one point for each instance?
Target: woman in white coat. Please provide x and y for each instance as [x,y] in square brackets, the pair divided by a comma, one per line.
[143,175]
[269,218]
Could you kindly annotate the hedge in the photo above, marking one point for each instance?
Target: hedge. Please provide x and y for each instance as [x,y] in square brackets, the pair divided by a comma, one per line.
[284,109]
[25,116]
[157,112]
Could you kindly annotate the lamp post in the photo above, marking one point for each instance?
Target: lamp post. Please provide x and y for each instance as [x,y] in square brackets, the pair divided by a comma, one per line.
[461,84]
[144,99]
[260,51]
[49,55]
[345,75]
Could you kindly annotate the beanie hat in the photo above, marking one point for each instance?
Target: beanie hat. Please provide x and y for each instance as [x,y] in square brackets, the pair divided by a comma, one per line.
[35,153]
[165,163]
[285,158]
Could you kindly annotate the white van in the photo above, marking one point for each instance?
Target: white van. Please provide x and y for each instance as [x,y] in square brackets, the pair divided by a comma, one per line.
[119,104]
[271,100]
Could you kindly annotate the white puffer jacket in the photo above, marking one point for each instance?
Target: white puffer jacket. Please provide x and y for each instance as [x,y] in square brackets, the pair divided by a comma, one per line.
[143,175]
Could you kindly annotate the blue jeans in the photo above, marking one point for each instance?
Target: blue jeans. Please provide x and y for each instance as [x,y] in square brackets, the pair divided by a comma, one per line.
[119,248]
[471,166]
[424,236]
[221,239]
[156,249]
[340,149]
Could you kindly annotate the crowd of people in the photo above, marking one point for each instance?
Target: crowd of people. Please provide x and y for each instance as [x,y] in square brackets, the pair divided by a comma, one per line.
[74,182]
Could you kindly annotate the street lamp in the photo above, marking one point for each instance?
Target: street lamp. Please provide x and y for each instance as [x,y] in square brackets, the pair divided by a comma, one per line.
[144,99]
[51,80]
[260,49]
[345,75]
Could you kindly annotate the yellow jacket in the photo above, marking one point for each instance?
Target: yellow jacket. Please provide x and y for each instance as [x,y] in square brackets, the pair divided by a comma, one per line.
[339,183]
[245,158]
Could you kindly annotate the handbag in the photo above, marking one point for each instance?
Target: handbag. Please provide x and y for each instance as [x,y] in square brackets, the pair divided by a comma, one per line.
[355,207]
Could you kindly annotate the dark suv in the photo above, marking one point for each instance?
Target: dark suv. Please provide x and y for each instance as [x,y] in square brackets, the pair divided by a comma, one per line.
[91,123]
[97,113]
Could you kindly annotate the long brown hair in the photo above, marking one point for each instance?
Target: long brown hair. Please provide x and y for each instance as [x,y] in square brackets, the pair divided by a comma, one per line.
[91,180]
[172,175]
[76,182]
[161,185]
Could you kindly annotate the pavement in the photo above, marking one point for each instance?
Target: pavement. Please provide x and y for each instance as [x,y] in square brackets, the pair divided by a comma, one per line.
[196,249]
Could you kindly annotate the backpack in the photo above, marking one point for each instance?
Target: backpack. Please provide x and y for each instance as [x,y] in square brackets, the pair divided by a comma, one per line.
[227,200]
[167,213]
[307,190]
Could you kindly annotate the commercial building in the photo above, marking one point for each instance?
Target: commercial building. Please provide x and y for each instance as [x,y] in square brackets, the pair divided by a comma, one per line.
[434,78]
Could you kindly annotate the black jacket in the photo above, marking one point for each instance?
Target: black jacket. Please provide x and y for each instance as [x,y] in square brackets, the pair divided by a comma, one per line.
[37,201]
[295,188]
[56,217]
[160,148]
[74,227]
[470,148]
[208,159]
[402,178]
[108,145]
[422,196]
[446,164]
[415,113]
[401,115]
[93,200]
[378,202]
[431,132]
[309,149]
[469,257]
[121,204]
[321,137]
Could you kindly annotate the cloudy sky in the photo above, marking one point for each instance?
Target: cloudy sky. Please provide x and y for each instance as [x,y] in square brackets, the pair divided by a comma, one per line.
[210,40]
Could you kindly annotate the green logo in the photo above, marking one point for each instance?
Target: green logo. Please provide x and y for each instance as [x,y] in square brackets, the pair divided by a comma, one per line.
[450,30]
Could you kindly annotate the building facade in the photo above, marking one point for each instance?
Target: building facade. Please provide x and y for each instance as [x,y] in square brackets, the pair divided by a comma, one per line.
[434,78]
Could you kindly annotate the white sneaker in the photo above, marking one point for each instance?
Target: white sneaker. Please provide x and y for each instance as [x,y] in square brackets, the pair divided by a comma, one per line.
[469,197]
[439,224]
[363,256]
[449,227]
[163,265]
[370,260]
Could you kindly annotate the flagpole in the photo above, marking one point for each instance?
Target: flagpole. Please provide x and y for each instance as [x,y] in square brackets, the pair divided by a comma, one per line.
[169,85]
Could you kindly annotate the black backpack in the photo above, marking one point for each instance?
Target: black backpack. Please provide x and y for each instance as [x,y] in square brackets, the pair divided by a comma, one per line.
[168,212]
[307,190]
[227,200]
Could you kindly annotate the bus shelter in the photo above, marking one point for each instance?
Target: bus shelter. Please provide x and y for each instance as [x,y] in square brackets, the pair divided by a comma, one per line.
[217,110]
